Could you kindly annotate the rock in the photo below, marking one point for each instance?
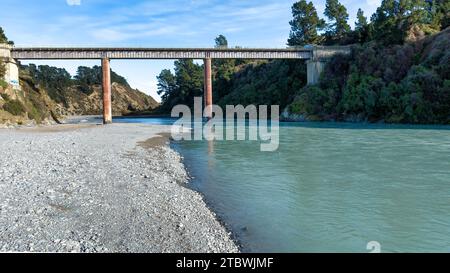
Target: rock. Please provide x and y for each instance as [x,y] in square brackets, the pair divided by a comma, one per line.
[90,199]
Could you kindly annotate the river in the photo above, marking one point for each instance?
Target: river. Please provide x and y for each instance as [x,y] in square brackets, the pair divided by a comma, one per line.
[330,187]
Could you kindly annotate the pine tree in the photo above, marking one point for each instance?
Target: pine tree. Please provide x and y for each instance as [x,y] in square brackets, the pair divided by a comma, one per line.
[166,85]
[394,19]
[305,24]
[221,41]
[3,38]
[337,15]
[361,27]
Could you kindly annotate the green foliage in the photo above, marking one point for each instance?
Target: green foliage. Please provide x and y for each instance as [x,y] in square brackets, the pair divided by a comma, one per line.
[37,109]
[383,79]
[182,87]
[313,100]
[3,84]
[221,42]
[361,32]
[392,23]
[395,18]
[337,28]
[5,96]
[3,38]
[2,69]
[305,24]
[263,83]
[409,84]
[166,85]
[54,80]
[360,96]
[87,76]
[14,107]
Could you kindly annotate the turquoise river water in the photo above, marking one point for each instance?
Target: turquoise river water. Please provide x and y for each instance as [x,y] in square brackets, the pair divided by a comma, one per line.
[330,187]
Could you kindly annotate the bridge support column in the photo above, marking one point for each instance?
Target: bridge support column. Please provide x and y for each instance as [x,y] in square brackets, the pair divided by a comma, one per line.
[208,86]
[106,84]
[314,69]
[11,66]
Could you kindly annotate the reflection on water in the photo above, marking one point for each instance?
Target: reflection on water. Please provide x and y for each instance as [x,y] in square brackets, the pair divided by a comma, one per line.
[331,187]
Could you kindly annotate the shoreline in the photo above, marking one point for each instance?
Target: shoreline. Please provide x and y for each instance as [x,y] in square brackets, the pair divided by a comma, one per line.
[164,139]
[101,189]
[233,234]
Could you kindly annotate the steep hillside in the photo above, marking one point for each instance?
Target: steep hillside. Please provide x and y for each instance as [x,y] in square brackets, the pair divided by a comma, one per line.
[49,93]
[124,101]
[407,83]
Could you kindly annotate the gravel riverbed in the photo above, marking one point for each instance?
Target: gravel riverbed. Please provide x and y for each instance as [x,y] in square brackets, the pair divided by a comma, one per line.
[91,188]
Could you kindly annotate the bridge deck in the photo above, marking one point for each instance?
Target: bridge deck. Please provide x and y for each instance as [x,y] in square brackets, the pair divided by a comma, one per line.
[30,53]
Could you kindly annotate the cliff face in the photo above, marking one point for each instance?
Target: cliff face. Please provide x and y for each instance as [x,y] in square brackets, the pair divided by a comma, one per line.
[36,104]
[124,101]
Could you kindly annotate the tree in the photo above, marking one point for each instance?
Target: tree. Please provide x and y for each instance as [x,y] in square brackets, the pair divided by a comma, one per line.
[439,13]
[182,87]
[54,80]
[189,78]
[443,9]
[166,85]
[337,27]
[361,22]
[305,24]
[361,27]
[221,42]
[394,19]
[223,69]
[86,77]
[3,38]
[385,22]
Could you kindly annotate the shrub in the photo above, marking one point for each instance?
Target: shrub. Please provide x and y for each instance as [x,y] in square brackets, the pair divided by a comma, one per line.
[14,107]
[2,69]
[361,95]
[311,100]
[3,84]
[5,96]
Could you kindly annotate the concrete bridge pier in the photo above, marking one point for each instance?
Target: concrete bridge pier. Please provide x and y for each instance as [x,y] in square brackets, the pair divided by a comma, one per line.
[314,69]
[208,87]
[12,67]
[106,85]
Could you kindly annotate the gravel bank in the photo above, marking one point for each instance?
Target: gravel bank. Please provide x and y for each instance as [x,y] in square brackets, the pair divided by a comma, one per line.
[96,189]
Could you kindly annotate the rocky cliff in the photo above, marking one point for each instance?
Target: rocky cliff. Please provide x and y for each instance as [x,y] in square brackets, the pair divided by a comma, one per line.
[124,101]
[39,102]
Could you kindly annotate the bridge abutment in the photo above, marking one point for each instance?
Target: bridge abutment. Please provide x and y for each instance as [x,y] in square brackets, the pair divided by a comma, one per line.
[208,87]
[320,55]
[314,69]
[11,66]
[106,85]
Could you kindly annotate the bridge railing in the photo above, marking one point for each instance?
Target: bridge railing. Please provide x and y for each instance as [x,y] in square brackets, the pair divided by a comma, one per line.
[159,53]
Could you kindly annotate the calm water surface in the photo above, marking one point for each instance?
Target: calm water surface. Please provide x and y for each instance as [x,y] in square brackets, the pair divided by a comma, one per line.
[330,187]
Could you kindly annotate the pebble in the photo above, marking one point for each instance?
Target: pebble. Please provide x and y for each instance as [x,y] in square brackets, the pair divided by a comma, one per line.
[111,195]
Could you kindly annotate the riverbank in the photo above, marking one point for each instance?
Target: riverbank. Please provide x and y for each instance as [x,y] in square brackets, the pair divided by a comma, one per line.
[89,188]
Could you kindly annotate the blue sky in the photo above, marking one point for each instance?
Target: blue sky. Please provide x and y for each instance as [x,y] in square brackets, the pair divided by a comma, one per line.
[156,23]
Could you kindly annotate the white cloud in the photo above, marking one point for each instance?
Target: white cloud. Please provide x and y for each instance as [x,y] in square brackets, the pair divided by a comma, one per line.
[73,2]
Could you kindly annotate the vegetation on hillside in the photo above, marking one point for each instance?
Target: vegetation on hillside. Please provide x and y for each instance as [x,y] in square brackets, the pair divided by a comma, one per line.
[81,94]
[397,72]
[4,39]
[57,80]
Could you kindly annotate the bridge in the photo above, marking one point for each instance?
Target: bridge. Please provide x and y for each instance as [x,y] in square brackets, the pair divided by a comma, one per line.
[315,56]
